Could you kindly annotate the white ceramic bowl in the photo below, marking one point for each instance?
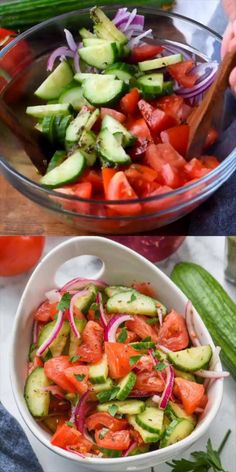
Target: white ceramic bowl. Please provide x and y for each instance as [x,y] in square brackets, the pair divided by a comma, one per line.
[120,266]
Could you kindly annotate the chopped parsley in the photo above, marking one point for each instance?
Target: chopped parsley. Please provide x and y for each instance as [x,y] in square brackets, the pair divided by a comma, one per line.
[64,303]
[95,308]
[69,423]
[48,355]
[122,336]
[74,358]
[79,377]
[133,360]
[161,366]
[103,433]
[113,410]
[132,298]
[108,395]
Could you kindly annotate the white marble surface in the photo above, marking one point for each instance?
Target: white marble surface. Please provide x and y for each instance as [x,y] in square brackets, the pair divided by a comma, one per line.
[207,251]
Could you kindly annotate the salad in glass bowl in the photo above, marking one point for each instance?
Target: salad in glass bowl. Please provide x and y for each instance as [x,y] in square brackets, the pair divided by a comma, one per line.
[112,373]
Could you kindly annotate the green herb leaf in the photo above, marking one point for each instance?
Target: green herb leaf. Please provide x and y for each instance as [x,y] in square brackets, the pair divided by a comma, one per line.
[133,360]
[64,303]
[147,339]
[48,355]
[107,395]
[79,377]
[113,409]
[74,358]
[32,347]
[159,367]
[132,298]
[69,423]
[122,336]
[96,309]
[152,321]
[103,433]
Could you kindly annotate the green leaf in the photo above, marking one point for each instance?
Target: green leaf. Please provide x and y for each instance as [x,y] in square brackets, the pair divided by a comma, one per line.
[103,433]
[152,321]
[159,367]
[64,303]
[147,339]
[96,309]
[113,410]
[122,336]
[133,360]
[107,395]
[79,377]
[69,423]
[74,358]
[132,298]
[48,355]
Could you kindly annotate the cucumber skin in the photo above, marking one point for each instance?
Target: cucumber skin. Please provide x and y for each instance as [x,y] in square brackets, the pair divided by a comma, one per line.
[210,300]
[15,14]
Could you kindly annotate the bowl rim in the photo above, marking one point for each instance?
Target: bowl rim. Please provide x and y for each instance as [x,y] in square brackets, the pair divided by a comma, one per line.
[72,198]
[30,422]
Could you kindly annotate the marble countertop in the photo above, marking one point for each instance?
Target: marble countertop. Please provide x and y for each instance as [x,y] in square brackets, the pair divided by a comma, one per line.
[207,251]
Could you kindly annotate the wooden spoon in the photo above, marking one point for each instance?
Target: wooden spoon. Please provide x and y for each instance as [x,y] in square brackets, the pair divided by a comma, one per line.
[210,110]
[31,140]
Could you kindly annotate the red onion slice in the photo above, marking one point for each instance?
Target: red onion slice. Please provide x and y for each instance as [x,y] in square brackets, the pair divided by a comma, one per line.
[168,387]
[61,52]
[53,334]
[113,325]
[35,332]
[70,449]
[190,324]
[53,296]
[78,283]
[203,85]
[74,299]
[211,374]
[70,40]
[132,446]
[55,390]
[163,348]
[156,399]
[81,411]
[137,39]
[101,309]
[160,315]
[130,19]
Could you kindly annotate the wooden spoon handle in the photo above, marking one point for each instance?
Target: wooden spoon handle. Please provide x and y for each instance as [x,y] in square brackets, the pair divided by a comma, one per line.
[210,108]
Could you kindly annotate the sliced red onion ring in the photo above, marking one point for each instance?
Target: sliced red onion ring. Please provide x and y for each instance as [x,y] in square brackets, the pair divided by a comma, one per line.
[61,52]
[35,332]
[70,40]
[156,399]
[121,13]
[190,324]
[163,348]
[168,387]
[137,39]
[131,18]
[132,446]
[87,436]
[211,374]
[150,352]
[74,299]
[80,412]
[202,86]
[53,296]
[160,315]
[70,449]
[55,390]
[101,309]
[78,283]
[53,334]
[113,325]
[199,411]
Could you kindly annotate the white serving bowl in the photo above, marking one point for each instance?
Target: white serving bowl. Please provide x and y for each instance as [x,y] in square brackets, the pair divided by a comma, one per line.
[120,266]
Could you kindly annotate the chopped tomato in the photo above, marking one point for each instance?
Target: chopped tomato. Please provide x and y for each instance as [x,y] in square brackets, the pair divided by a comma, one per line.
[95,178]
[118,359]
[129,102]
[138,127]
[173,333]
[145,363]
[181,73]
[174,106]
[159,154]
[141,178]
[46,312]
[131,336]
[171,176]
[159,205]
[141,328]
[114,113]
[210,162]
[91,348]
[195,169]
[120,189]
[98,420]
[78,376]
[145,288]
[81,190]
[156,119]
[149,382]
[55,368]
[178,137]
[118,440]
[107,174]
[145,52]
[190,393]
[67,436]
[211,138]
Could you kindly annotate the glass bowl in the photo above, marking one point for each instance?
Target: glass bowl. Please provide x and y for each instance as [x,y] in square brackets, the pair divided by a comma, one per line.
[94,215]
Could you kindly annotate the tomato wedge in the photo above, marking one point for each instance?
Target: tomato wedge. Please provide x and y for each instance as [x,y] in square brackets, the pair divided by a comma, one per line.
[91,348]
[107,174]
[178,137]
[174,106]
[55,370]
[181,73]
[171,176]
[145,288]
[78,376]
[173,333]
[46,312]
[210,162]
[118,440]
[118,357]
[149,382]
[191,394]
[157,120]
[141,328]
[129,102]
[67,436]
[117,115]
[98,420]
[145,52]
[195,169]
[120,189]
[131,336]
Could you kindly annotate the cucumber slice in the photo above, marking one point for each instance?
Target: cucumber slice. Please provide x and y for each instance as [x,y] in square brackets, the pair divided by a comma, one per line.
[150,85]
[104,28]
[126,407]
[184,375]
[87,145]
[174,411]
[98,372]
[110,150]
[114,289]
[139,450]
[121,71]
[112,453]
[151,419]
[160,62]
[103,90]
[176,431]
[146,435]
[48,127]
[103,386]
[36,398]
[57,346]
[85,33]
[74,341]
[57,159]
[76,127]
[126,385]
[83,303]
[61,124]
[66,173]
[54,84]
[74,96]
[134,303]
[39,111]
[93,41]
[100,55]
[114,127]
[192,359]
[168,87]
[143,345]
[80,76]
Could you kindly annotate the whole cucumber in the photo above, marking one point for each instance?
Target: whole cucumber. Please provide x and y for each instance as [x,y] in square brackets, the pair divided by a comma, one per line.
[216,308]
[21,14]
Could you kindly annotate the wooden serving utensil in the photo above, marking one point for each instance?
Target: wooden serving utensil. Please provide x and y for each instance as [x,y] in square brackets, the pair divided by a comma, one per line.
[31,140]
[210,109]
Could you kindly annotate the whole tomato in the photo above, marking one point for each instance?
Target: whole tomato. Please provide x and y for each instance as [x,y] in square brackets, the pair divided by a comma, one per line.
[18,254]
